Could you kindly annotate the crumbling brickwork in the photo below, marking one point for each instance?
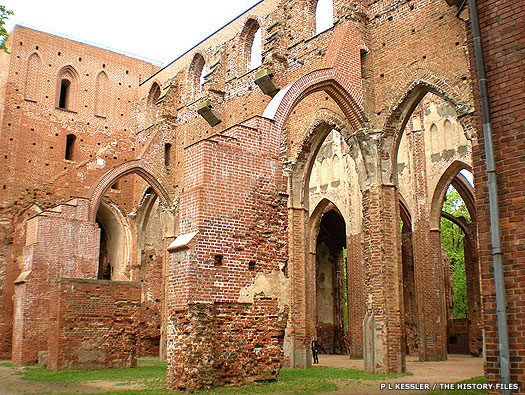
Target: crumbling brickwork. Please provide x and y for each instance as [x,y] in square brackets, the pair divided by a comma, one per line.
[93,324]
[228,344]
[209,194]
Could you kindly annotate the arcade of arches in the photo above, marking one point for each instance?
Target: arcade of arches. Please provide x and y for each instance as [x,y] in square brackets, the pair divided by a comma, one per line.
[223,217]
[433,150]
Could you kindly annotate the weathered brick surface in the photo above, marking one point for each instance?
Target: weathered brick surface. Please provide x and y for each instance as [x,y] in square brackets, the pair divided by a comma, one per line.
[503,41]
[243,184]
[225,343]
[52,250]
[93,324]
[33,135]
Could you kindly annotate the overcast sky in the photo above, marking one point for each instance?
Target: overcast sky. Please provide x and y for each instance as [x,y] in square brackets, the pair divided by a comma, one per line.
[159,30]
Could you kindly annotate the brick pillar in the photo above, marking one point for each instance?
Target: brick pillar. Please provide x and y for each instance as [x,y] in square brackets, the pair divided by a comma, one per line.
[470,251]
[356,295]
[302,300]
[436,306]
[383,322]
[409,295]
[428,273]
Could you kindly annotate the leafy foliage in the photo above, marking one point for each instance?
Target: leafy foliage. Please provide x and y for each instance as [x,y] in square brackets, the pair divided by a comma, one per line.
[452,239]
[4,14]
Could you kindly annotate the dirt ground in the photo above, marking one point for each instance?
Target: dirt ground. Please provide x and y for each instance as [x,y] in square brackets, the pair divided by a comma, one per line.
[11,384]
[457,368]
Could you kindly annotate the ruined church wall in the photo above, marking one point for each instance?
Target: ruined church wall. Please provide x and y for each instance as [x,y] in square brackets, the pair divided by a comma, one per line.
[502,39]
[33,134]
[93,324]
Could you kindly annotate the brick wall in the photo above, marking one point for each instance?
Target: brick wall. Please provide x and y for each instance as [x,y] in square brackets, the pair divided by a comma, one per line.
[365,76]
[93,324]
[52,250]
[502,37]
[225,343]
[33,134]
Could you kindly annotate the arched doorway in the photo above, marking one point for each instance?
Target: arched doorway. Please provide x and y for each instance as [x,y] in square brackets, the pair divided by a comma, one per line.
[114,253]
[330,283]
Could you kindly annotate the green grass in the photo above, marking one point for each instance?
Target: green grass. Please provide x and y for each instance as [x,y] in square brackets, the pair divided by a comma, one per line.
[150,375]
[308,381]
[146,370]
[477,380]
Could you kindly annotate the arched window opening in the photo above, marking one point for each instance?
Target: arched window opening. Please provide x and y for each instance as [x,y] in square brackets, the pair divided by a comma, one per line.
[202,78]
[154,93]
[64,100]
[101,94]
[256,50]
[70,146]
[66,95]
[32,77]
[324,15]
[115,186]
[198,71]
[167,154]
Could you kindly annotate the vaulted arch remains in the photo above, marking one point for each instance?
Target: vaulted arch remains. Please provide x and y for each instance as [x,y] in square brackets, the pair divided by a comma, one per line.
[322,106]
[132,167]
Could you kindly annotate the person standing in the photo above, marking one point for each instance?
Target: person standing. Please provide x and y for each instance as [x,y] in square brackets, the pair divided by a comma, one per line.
[315,351]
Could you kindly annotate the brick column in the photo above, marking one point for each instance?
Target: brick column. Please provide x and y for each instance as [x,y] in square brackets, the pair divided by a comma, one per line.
[383,322]
[428,273]
[302,291]
[356,295]
[470,251]
[436,335]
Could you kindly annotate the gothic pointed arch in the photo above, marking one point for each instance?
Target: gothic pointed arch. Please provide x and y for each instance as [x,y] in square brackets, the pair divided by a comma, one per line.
[451,176]
[101,94]
[67,93]
[329,80]
[34,64]
[402,103]
[107,180]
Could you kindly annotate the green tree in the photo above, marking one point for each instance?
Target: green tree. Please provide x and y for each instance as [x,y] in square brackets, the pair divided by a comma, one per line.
[452,239]
[4,14]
